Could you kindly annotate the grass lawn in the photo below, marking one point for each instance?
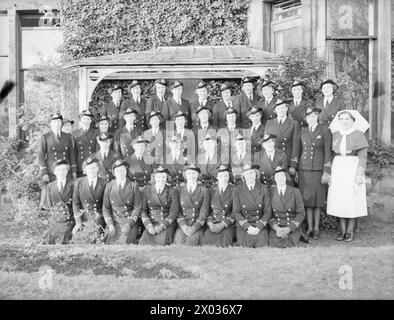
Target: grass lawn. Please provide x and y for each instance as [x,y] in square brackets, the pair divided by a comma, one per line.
[176,272]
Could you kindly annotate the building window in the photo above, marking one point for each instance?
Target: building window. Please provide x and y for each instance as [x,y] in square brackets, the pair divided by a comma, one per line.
[350,30]
[286,26]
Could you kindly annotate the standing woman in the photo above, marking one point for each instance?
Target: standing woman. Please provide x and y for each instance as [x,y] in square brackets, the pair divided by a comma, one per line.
[298,105]
[268,90]
[329,104]
[347,192]
[314,168]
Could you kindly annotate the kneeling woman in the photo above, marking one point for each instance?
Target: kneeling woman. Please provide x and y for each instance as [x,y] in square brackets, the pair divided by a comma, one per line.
[160,207]
[194,202]
[221,227]
[252,209]
[287,212]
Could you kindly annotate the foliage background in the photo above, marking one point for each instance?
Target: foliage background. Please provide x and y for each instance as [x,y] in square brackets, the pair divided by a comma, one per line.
[95,28]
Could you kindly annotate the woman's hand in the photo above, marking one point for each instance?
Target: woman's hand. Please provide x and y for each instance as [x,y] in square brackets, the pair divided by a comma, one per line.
[325,178]
[159,228]
[112,230]
[151,230]
[76,228]
[253,230]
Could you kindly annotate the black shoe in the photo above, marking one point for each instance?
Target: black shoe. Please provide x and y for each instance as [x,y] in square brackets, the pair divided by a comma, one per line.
[305,239]
[315,235]
[340,237]
[348,237]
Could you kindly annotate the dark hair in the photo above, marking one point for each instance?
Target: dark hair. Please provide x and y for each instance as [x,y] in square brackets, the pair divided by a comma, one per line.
[348,113]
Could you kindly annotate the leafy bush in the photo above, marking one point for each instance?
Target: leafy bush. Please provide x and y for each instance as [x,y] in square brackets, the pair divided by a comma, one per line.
[96,28]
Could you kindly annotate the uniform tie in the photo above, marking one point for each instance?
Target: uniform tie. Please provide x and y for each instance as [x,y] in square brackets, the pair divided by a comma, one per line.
[61,187]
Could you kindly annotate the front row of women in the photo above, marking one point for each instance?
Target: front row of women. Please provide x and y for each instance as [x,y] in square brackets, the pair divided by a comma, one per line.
[250,214]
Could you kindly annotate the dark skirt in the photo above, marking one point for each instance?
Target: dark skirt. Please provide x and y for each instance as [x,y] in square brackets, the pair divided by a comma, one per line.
[59,232]
[245,239]
[124,232]
[92,231]
[292,240]
[313,192]
[166,237]
[193,240]
[225,238]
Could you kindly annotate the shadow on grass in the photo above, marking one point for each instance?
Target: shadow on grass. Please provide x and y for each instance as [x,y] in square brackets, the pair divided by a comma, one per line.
[14,259]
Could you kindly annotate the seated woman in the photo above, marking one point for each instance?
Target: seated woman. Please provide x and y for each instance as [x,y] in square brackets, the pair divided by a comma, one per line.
[88,205]
[194,202]
[346,197]
[60,194]
[268,159]
[220,221]
[160,208]
[287,212]
[252,209]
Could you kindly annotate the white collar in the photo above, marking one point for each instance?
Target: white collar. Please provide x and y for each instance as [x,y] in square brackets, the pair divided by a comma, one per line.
[206,125]
[191,186]
[251,186]
[61,181]
[122,183]
[282,119]
[222,187]
[94,181]
[283,189]
[103,153]
[256,127]
[202,102]
[328,99]
[313,127]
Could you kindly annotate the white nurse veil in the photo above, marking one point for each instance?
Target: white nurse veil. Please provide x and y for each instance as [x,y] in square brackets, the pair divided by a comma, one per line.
[359,124]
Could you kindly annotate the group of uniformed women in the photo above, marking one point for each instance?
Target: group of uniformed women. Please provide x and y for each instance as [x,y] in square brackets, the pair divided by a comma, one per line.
[244,171]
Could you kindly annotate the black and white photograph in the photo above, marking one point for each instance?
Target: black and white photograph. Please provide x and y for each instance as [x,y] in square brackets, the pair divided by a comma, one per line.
[196,154]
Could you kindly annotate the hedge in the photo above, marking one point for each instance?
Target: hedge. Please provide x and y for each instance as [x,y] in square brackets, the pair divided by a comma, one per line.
[102,27]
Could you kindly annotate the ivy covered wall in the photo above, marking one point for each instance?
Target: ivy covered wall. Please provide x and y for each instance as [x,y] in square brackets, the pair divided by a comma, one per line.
[102,27]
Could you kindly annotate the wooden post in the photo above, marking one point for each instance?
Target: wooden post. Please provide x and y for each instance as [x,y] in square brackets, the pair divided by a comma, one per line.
[14,58]
[83,87]
[383,61]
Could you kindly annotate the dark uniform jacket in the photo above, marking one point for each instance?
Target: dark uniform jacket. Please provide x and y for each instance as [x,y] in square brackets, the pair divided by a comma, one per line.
[194,107]
[208,169]
[227,143]
[221,206]
[154,104]
[287,211]
[267,167]
[252,207]
[286,136]
[159,208]
[85,144]
[105,165]
[114,113]
[156,145]
[140,171]
[52,149]
[175,166]
[88,200]
[268,110]
[236,164]
[200,134]
[328,113]
[313,149]
[218,117]
[123,139]
[140,122]
[194,207]
[125,203]
[242,104]
[255,138]
[61,204]
[298,113]
[172,107]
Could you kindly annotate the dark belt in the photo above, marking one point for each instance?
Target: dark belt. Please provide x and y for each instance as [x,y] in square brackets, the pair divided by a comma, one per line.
[348,154]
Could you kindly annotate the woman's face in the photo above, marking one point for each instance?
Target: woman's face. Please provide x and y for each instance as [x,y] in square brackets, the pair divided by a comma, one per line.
[203,116]
[312,118]
[255,118]
[116,95]
[177,92]
[281,110]
[86,121]
[56,124]
[154,122]
[267,92]
[135,91]
[269,145]
[160,89]
[250,176]
[328,90]
[226,95]
[61,172]
[223,177]
[180,122]
[160,178]
[345,121]
[202,93]
[130,118]
[103,126]
[191,176]
[120,173]
[247,88]
[297,92]
[280,178]
[91,170]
